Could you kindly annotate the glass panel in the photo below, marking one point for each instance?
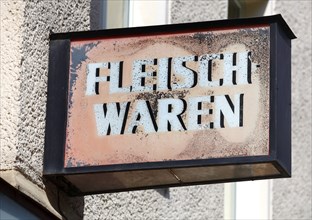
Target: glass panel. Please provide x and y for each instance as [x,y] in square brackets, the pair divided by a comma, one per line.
[117,13]
[250,8]
[106,14]
[11,210]
[153,12]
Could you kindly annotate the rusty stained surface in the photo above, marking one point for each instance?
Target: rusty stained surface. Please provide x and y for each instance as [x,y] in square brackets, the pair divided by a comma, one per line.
[84,147]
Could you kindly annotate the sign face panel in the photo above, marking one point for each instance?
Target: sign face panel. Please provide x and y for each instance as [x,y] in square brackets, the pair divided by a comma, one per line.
[171,105]
[166,97]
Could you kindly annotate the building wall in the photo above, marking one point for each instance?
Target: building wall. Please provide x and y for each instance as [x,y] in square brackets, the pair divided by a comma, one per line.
[40,18]
[292,197]
[10,66]
[192,11]
[25,27]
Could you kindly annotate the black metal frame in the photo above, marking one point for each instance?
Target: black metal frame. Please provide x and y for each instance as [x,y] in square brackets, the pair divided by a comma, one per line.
[280,101]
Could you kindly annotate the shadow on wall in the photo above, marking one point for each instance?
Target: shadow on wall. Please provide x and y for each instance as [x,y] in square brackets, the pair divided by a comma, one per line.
[68,207]
[96,14]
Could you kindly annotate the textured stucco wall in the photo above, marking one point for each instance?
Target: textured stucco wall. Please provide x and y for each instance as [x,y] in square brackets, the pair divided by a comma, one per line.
[11,18]
[40,17]
[25,28]
[196,202]
[198,10]
[28,28]
[292,197]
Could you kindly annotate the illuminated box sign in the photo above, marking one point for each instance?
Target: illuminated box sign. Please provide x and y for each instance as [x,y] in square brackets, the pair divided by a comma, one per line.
[169,105]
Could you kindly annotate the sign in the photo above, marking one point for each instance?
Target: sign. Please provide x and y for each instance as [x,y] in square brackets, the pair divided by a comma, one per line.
[169,105]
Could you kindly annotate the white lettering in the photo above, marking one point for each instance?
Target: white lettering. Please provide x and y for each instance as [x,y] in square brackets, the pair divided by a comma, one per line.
[110,117]
[236,70]
[139,75]
[205,70]
[93,77]
[142,116]
[164,70]
[196,112]
[169,115]
[115,85]
[188,75]
[231,111]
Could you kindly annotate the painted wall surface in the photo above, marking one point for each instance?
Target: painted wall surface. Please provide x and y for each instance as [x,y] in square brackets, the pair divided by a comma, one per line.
[12,17]
[40,18]
[192,11]
[292,198]
[25,27]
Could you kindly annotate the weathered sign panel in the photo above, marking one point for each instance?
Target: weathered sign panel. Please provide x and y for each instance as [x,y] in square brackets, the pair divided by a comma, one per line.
[169,105]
